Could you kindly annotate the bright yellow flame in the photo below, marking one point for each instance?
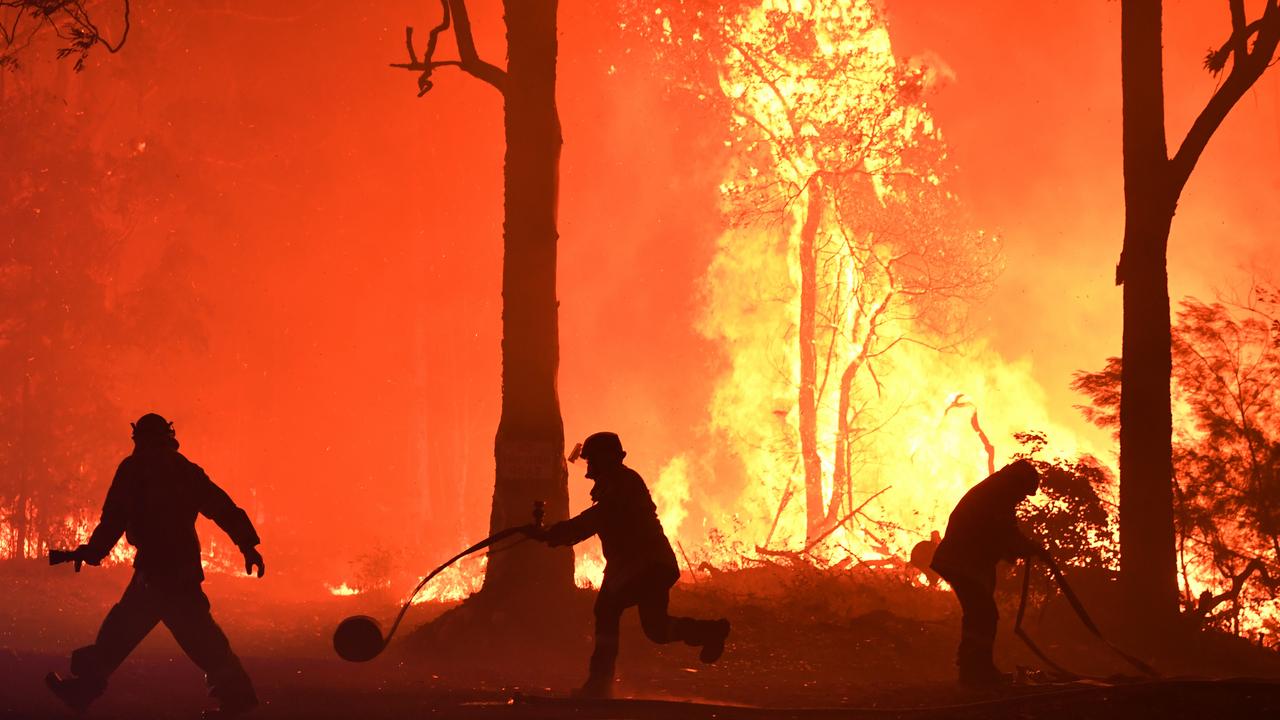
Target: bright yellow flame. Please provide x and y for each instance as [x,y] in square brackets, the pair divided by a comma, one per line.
[588,569]
[456,583]
[671,494]
[814,90]
[342,590]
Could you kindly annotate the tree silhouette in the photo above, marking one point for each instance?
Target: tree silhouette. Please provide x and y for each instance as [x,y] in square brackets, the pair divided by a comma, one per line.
[1153,181]
[529,447]
[1070,514]
[1226,371]
[22,21]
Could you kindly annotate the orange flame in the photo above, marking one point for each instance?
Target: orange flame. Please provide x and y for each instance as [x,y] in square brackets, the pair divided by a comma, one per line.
[917,459]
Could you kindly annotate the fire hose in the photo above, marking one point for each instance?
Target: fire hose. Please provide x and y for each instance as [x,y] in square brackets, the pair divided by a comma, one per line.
[1073,600]
[359,638]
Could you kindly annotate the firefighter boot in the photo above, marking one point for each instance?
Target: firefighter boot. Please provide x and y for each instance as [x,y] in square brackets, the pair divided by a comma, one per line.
[597,687]
[75,692]
[713,647]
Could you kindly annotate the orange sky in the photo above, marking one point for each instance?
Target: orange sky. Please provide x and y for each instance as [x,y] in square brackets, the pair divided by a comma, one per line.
[347,236]
[1033,120]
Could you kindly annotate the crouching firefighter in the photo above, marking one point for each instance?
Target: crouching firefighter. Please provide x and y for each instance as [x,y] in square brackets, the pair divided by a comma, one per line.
[154,500]
[982,530]
[640,567]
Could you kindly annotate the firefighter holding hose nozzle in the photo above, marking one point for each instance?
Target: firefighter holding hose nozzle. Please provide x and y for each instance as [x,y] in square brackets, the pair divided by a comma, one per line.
[640,567]
[153,500]
[982,530]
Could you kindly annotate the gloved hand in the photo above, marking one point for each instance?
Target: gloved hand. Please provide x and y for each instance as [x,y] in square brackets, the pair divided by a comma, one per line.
[83,554]
[253,558]
[553,539]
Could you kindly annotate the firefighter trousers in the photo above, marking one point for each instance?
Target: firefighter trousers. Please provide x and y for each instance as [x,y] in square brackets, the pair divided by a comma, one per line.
[649,594]
[974,657]
[184,609]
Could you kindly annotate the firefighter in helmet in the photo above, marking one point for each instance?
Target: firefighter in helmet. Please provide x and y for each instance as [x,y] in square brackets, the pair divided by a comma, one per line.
[640,567]
[983,530]
[154,500]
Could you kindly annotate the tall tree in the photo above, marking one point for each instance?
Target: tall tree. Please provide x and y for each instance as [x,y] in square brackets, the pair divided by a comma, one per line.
[1153,182]
[836,158]
[1226,371]
[529,447]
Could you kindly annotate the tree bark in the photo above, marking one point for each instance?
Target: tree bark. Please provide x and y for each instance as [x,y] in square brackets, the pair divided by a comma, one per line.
[1148,547]
[815,515]
[529,447]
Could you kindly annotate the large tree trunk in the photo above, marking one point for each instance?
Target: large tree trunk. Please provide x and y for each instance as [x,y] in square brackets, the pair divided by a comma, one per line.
[1148,561]
[529,448]
[815,517]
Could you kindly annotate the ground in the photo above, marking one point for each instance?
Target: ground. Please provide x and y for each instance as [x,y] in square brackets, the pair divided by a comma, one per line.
[846,646]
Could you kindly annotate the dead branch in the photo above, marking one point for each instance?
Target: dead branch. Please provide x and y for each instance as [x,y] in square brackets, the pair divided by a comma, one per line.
[1246,67]
[1209,602]
[959,402]
[840,523]
[792,555]
[786,497]
[454,12]
[692,573]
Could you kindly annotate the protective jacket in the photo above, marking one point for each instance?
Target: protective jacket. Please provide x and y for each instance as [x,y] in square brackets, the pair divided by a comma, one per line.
[983,529]
[624,516]
[154,499]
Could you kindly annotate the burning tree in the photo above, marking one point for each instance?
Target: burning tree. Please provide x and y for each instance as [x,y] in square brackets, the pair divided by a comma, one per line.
[1153,182]
[1226,453]
[529,447]
[838,175]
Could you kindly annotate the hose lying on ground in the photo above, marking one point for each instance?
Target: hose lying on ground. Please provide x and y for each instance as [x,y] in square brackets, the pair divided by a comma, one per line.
[1078,607]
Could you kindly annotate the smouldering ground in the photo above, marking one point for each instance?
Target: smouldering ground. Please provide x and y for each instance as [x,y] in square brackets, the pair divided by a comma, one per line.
[800,641]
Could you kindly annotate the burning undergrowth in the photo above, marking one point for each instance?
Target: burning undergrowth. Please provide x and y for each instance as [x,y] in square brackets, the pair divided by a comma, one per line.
[800,632]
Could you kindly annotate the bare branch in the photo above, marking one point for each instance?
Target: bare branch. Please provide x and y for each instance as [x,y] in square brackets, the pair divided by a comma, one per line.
[1246,67]
[453,12]
[836,526]
[68,20]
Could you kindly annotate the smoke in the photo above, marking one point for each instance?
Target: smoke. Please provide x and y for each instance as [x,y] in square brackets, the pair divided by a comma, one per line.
[336,241]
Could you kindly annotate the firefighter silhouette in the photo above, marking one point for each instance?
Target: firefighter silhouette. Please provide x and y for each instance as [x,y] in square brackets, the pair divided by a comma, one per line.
[640,567]
[982,530]
[153,500]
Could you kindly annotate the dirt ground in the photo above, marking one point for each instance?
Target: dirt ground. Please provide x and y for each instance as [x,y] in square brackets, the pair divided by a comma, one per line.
[804,645]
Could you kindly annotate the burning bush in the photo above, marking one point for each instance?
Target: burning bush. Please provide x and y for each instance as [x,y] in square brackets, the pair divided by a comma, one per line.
[1226,372]
[1069,515]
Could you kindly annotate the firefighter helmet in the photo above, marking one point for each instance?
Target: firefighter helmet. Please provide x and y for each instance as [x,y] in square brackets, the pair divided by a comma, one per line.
[152,427]
[603,446]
